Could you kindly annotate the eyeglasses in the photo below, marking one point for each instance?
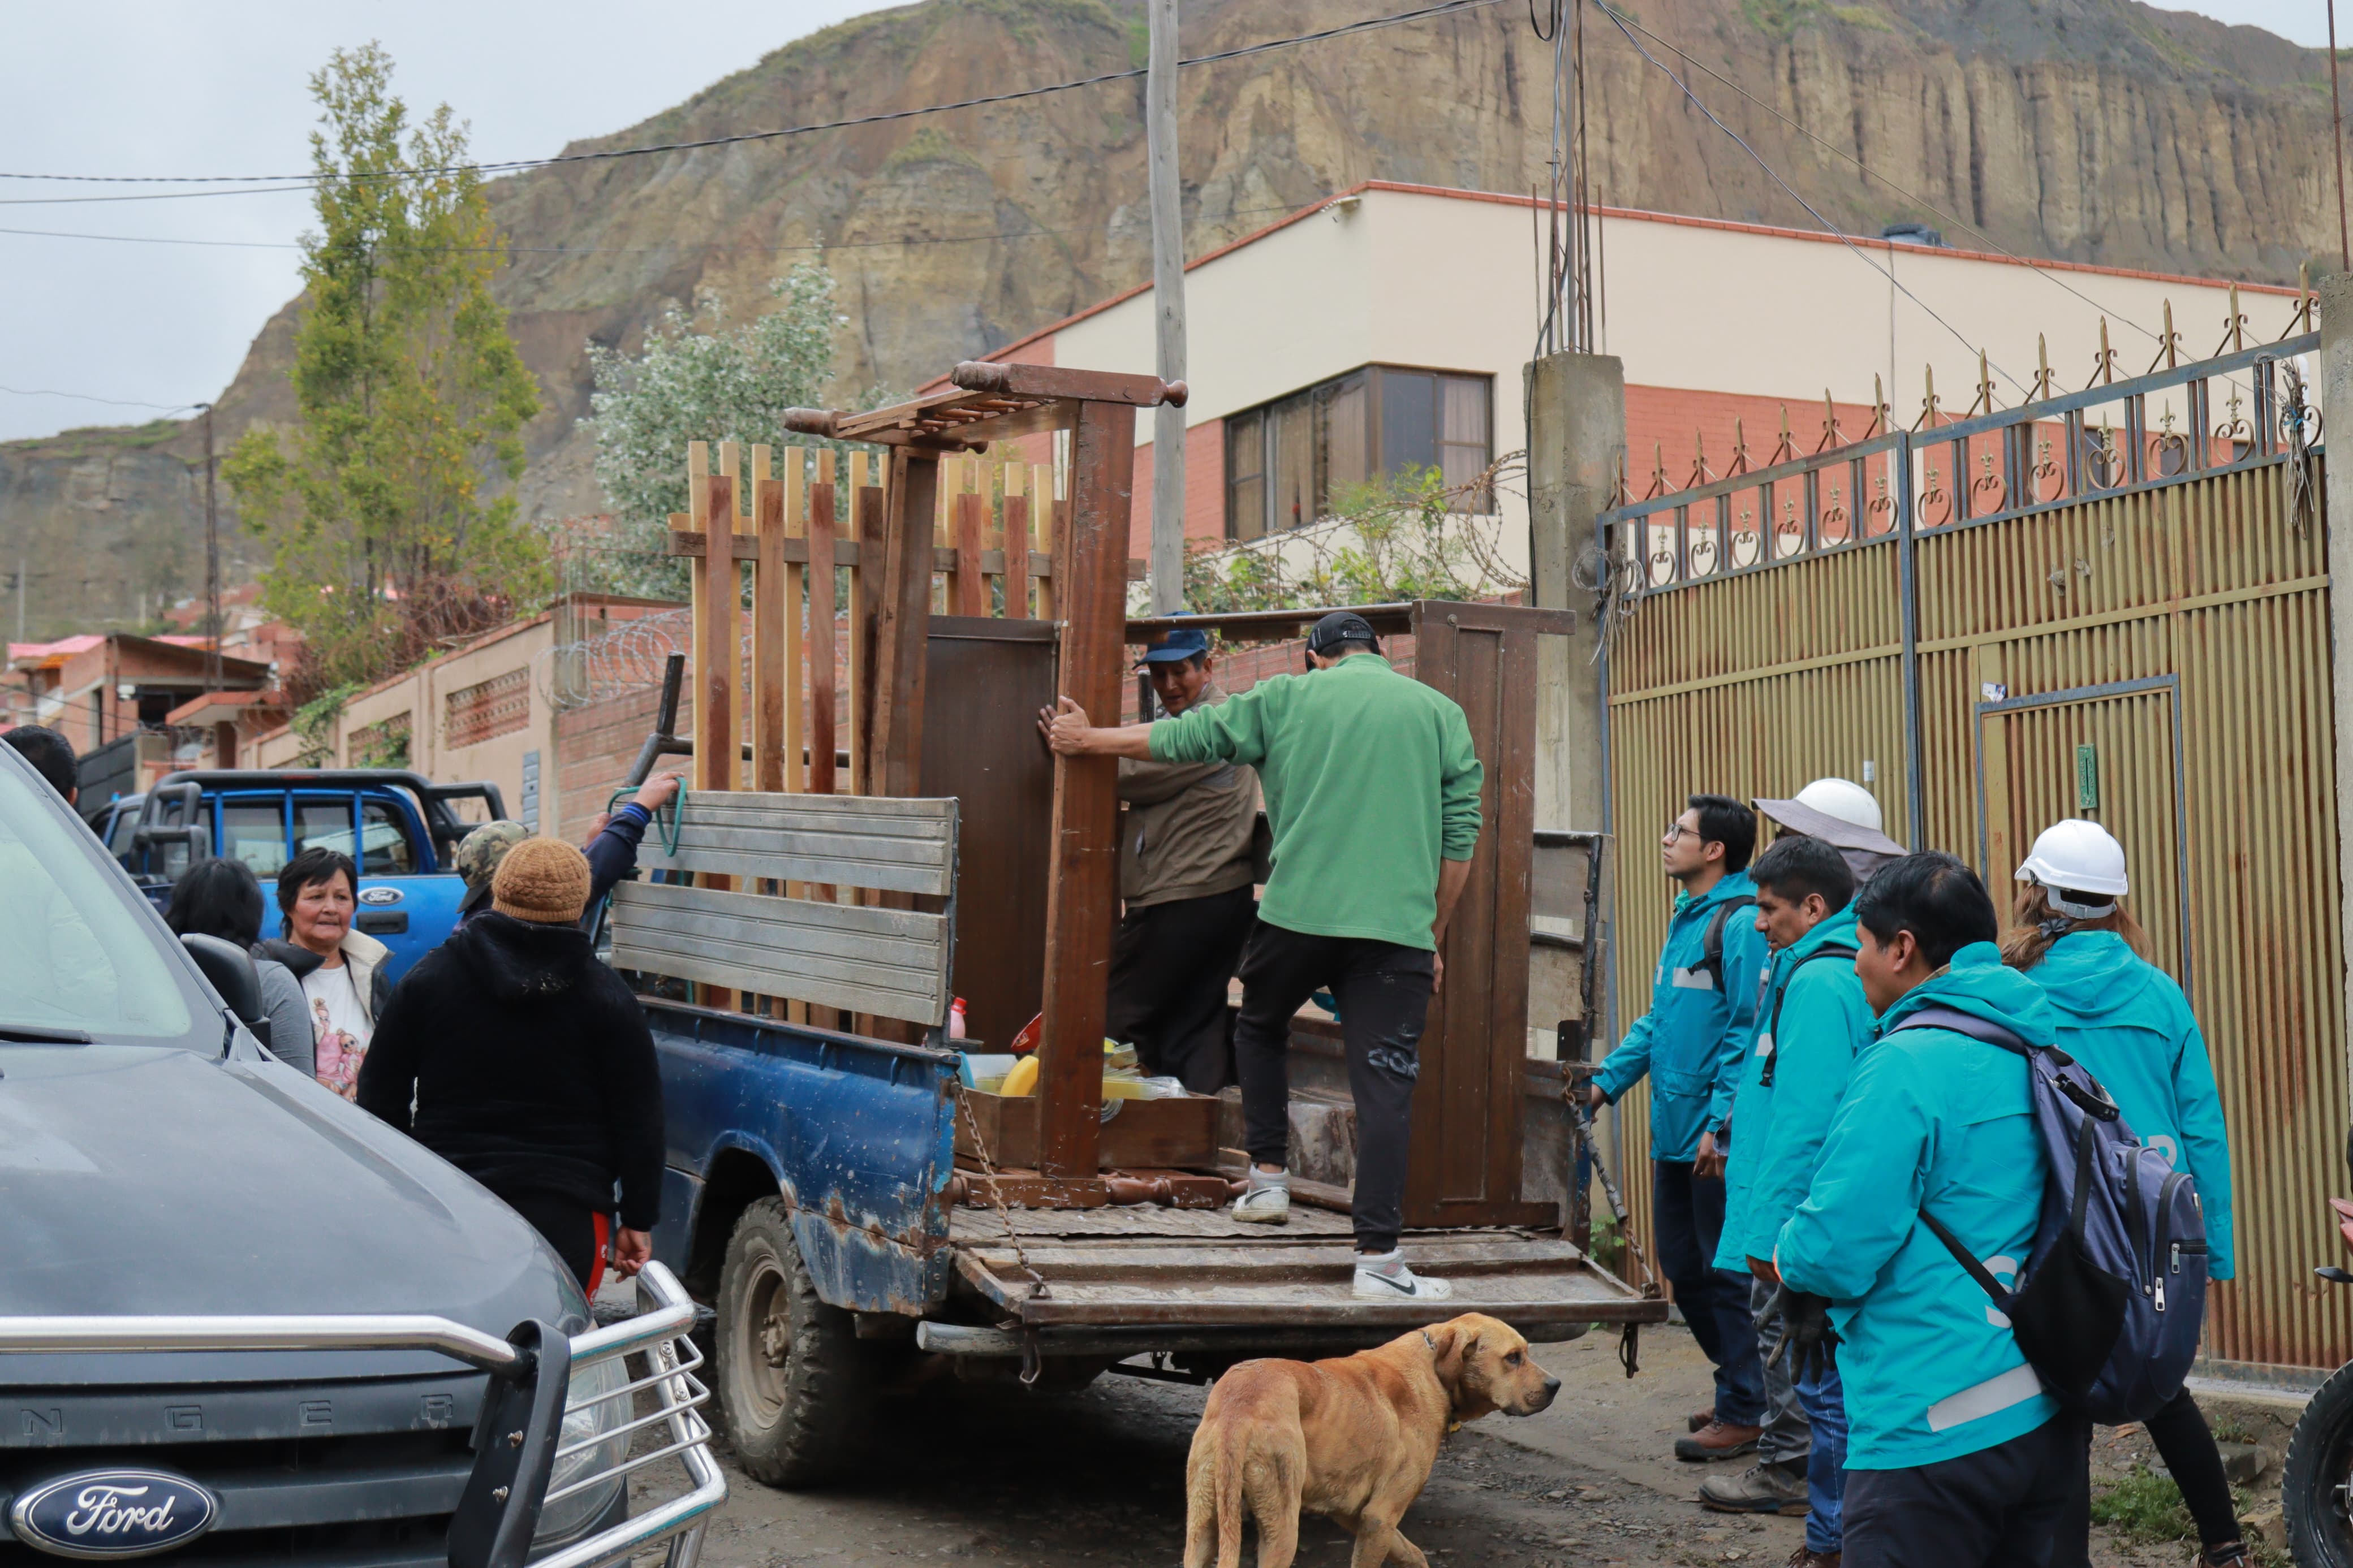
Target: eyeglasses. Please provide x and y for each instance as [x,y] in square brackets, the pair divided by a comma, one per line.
[1676,830]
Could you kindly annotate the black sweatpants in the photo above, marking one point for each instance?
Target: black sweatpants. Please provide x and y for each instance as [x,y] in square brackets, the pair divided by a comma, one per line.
[2185,1444]
[1169,967]
[1383,990]
[570,1227]
[2015,1505]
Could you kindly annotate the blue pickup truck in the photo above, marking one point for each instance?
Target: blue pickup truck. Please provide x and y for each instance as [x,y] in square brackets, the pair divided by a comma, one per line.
[398,827]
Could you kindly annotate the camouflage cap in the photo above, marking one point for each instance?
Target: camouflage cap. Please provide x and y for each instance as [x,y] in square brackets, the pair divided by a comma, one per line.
[480,852]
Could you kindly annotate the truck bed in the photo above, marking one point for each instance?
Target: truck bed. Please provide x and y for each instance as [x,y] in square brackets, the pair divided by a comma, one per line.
[1147,1264]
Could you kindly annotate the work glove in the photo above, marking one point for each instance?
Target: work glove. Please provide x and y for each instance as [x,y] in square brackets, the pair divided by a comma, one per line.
[1807,1338]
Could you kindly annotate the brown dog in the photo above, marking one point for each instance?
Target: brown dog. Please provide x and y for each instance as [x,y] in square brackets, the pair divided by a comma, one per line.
[1351,1438]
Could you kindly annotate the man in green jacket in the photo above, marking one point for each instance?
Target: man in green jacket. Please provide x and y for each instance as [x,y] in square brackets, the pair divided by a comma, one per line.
[1372,793]
[1185,877]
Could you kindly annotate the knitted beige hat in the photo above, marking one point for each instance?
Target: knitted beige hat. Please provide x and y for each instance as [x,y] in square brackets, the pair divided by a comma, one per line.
[542,879]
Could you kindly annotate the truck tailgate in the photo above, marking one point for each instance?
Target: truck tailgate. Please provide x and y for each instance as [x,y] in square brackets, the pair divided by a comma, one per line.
[1148,1265]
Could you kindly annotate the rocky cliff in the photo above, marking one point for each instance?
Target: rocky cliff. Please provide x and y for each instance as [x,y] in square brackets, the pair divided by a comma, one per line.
[2090,130]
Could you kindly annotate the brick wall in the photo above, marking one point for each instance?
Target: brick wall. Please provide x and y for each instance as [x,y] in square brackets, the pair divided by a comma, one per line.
[595,746]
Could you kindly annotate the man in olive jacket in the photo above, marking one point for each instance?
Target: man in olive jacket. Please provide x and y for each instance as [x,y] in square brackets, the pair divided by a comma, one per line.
[1185,876]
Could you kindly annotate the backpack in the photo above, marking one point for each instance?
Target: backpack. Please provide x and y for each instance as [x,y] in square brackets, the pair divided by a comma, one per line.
[2110,1303]
[1773,1029]
[1711,944]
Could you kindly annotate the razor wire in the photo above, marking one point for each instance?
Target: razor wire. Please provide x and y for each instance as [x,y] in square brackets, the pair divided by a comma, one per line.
[629,656]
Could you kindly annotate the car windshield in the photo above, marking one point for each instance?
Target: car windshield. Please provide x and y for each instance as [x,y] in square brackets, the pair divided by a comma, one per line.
[78,952]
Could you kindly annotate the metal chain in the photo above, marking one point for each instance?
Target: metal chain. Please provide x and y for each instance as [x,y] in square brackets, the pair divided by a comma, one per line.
[1004,1215]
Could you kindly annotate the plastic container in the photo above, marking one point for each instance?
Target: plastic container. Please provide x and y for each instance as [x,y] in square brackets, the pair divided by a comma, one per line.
[955,1020]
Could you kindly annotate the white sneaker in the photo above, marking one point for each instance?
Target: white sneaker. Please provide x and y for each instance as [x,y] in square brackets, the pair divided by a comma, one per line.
[1386,1278]
[1264,1205]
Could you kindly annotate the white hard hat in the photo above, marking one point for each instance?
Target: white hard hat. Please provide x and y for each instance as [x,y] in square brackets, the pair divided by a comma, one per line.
[2080,856]
[1846,800]
[1838,812]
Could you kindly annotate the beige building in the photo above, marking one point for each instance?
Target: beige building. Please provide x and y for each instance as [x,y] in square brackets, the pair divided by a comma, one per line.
[1388,325]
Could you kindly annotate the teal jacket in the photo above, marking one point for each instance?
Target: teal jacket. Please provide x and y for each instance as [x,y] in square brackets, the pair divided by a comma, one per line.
[1937,1120]
[1777,1128]
[1692,1038]
[2126,1021]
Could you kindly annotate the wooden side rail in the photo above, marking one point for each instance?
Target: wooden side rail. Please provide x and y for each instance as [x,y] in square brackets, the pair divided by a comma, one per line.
[841,840]
[894,964]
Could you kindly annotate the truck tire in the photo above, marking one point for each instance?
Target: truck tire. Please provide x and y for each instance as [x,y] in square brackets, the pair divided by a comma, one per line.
[2313,1494]
[790,1369]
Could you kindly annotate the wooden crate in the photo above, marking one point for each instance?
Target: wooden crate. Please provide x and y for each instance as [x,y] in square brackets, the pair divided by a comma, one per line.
[1143,1134]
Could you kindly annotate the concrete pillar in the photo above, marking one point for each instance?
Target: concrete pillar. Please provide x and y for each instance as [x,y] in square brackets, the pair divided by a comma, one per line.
[1577,441]
[2336,391]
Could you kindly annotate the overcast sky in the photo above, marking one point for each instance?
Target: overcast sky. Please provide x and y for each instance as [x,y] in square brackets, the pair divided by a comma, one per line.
[163,87]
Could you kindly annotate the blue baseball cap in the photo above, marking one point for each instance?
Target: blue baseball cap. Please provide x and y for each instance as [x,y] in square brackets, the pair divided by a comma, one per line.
[1182,643]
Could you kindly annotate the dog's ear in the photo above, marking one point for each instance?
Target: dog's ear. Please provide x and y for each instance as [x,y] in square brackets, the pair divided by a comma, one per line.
[1452,1345]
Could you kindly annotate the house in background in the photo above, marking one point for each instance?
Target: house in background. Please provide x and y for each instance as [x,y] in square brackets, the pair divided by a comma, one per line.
[1387,326]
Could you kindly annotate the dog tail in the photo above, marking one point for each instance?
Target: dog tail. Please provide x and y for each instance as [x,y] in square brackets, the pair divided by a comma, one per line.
[1213,1498]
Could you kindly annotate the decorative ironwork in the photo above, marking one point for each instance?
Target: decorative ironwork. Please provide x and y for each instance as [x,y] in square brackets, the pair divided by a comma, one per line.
[1996,463]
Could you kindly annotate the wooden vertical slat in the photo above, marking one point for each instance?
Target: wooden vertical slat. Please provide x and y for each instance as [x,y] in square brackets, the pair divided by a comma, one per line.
[1016,542]
[717,642]
[796,639]
[866,595]
[822,529]
[1082,874]
[770,669]
[1042,513]
[971,515]
[905,595]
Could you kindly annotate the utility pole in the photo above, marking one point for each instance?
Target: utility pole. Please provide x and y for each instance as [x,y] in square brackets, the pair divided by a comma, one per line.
[2337,141]
[212,565]
[1168,303]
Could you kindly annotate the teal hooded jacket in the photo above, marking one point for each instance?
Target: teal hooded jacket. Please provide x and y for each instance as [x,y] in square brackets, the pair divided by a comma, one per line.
[1692,1038]
[2126,1021]
[1934,1121]
[1777,1128]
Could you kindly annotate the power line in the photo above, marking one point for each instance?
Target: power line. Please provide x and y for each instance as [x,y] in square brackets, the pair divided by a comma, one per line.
[85,397]
[1920,201]
[1607,10]
[305,181]
[613,249]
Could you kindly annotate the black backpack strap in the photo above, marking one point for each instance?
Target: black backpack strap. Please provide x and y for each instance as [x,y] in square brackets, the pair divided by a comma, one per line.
[1968,1261]
[1773,1029]
[1711,944]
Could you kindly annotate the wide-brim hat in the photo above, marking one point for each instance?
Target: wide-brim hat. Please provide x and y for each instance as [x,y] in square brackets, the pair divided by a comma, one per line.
[1798,817]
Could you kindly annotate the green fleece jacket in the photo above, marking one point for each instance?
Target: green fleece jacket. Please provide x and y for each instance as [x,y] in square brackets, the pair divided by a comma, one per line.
[1370,779]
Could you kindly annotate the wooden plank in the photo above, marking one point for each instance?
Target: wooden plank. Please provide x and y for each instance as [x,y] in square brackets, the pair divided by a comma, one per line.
[1167,1133]
[865,609]
[1016,543]
[796,639]
[971,580]
[688,544]
[771,667]
[822,526]
[903,845]
[1119,388]
[906,598]
[1082,876]
[1042,514]
[891,962]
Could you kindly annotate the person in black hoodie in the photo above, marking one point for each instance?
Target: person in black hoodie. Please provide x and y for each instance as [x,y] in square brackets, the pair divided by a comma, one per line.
[530,1066]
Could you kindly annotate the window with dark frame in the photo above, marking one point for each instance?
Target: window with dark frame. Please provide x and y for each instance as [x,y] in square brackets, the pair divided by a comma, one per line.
[1288,462]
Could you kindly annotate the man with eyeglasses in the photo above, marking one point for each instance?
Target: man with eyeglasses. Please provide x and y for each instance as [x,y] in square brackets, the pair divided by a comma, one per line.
[1690,1045]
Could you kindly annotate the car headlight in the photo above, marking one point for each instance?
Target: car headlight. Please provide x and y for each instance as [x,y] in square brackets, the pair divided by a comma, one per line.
[586,1416]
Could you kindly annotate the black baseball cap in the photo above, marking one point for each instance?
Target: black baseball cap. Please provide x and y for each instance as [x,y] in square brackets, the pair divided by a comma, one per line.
[1341,626]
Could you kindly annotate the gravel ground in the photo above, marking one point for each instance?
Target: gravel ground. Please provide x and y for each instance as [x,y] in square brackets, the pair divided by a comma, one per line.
[991,1476]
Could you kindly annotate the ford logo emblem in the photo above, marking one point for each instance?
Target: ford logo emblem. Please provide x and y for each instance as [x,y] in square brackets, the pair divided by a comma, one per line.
[112,1513]
[380,895]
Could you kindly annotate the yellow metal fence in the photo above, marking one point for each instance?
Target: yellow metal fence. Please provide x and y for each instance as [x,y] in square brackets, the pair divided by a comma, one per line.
[2151,653]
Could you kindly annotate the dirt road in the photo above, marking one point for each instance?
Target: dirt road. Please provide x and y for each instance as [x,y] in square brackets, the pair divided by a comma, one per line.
[997,1477]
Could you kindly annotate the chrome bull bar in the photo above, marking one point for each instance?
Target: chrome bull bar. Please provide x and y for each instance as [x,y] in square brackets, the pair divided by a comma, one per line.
[658,1335]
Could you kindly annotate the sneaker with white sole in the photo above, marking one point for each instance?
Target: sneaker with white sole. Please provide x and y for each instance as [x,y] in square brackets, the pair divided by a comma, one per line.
[1386,1278]
[1268,1204]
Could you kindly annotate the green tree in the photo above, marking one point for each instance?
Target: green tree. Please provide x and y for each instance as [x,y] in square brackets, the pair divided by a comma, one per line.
[410,398]
[699,379]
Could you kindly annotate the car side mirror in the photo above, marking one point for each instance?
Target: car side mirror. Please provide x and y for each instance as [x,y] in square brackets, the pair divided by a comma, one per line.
[230,968]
